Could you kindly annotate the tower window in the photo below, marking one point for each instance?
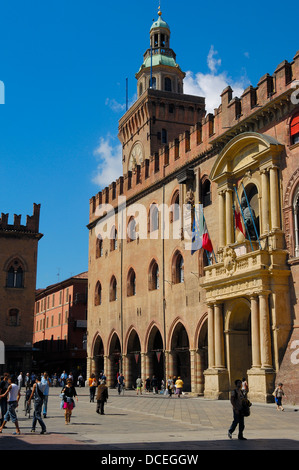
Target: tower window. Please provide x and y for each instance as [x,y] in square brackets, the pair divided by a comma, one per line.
[167,84]
[15,276]
[164,136]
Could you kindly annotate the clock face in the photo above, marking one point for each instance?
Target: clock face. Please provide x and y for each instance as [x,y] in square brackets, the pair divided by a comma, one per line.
[136,156]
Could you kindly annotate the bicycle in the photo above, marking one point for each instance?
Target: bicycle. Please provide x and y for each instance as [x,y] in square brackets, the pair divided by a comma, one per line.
[121,389]
[27,406]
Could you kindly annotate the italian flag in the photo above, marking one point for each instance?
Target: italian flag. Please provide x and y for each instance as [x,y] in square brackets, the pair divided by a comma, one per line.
[204,234]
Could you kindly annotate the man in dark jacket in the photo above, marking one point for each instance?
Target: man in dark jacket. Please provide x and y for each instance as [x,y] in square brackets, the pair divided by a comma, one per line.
[102,397]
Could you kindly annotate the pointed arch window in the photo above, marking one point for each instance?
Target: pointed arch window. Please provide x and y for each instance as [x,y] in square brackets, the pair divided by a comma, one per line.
[113,289]
[98,294]
[131,230]
[178,268]
[153,218]
[99,247]
[113,239]
[131,283]
[154,281]
[15,275]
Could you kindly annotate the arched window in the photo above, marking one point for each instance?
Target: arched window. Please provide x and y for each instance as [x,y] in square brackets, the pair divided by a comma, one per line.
[154,282]
[178,268]
[167,84]
[98,294]
[113,239]
[131,283]
[294,129]
[14,317]
[175,203]
[153,83]
[206,193]
[140,89]
[15,275]
[131,230]
[153,218]
[99,247]
[113,289]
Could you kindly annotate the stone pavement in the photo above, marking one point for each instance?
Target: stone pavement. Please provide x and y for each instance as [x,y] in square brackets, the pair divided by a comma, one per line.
[154,423]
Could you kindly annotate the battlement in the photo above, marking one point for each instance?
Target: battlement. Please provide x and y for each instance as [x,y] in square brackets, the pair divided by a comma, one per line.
[32,222]
[250,112]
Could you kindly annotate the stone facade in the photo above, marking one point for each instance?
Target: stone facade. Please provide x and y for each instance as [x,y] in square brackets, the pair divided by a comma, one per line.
[157,309]
[18,258]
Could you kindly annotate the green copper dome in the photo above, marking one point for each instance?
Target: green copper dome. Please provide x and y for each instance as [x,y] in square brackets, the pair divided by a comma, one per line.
[160,23]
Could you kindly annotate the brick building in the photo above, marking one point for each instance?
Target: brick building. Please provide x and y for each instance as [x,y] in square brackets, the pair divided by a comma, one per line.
[156,308]
[60,322]
[18,260]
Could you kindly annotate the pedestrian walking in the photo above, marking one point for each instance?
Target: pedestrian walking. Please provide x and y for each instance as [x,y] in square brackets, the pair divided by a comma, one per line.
[92,387]
[38,395]
[120,383]
[102,397]
[179,384]
[45,380]
[154,384]
[3,401]
[170,387]
[13,393]
[237,397]
[20,380]
[69,393]
[139,384]
[278,394]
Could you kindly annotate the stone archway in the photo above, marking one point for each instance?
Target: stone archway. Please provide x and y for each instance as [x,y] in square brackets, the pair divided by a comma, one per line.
[133,359]
[155,355]
[180,355]
[238,339]
[98,354]
[115,359]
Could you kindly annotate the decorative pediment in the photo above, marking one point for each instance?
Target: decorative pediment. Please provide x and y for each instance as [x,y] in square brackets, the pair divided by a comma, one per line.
[246,151]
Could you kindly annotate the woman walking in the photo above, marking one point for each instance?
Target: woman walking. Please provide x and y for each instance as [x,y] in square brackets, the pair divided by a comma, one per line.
[69,393]
[278,394]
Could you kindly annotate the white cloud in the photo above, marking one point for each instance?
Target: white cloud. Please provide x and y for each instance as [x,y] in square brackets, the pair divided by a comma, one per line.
[109,155]
[211,85]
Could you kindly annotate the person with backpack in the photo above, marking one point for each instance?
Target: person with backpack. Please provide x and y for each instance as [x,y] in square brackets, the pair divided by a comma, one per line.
[37,393]
[240,406]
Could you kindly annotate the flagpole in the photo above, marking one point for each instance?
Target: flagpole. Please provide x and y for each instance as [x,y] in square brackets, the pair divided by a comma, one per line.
[200,205]
[251,216]
[243,217]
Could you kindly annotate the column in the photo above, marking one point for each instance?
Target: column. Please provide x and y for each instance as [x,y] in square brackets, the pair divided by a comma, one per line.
[255,332]
[211,347]
[219,339]
[265,201]
[274,198]
[221,218]
[229,215]
[265,334]
[193,370]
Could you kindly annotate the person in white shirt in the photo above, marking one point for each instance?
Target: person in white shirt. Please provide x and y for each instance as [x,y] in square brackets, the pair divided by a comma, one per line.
[13,401]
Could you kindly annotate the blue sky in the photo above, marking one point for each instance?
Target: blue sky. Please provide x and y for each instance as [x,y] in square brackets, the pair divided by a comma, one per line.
[64,65]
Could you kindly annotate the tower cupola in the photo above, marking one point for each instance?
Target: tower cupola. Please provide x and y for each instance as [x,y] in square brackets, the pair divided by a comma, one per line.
[160,70]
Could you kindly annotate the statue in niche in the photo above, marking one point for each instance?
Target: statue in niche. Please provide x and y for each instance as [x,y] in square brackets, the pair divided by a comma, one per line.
[249,218]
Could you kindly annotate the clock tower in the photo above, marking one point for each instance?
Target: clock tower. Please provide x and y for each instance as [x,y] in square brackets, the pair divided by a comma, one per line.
[162,111]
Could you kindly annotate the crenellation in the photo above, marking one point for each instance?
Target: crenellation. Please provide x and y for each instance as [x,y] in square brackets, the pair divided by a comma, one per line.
[32,222]
[197,141]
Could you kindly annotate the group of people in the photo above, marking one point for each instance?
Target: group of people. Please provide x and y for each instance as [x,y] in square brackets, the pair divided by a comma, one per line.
[174,386]
[99,390]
